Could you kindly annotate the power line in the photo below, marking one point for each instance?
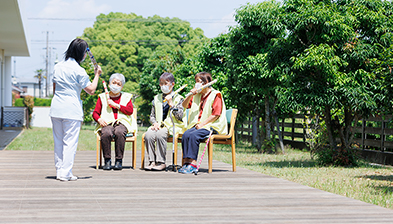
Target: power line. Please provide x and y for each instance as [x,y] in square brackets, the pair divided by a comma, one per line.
[138,20]
[147,42]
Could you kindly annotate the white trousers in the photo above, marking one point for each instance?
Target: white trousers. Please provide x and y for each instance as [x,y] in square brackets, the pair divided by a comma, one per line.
[65,136]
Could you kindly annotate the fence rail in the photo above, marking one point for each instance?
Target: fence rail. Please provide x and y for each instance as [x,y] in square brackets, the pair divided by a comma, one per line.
[375,133]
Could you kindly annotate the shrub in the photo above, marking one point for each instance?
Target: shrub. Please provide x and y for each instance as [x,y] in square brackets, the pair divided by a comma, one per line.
[29,103]
[19,102]
[337,157]
[42,102]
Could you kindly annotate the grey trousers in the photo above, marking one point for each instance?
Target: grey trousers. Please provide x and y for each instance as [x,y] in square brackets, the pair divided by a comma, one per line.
[151,137]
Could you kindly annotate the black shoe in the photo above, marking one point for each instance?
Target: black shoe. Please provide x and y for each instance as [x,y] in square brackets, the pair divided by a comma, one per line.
[107,165]
[118,165]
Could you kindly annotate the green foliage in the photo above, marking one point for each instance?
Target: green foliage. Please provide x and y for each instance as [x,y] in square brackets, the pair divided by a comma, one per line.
[19,102]
[123,43]
[331,73]
[28,101]
[346,157]
[42,102]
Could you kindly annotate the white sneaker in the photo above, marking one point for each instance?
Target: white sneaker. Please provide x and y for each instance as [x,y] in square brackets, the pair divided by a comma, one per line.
[73,178]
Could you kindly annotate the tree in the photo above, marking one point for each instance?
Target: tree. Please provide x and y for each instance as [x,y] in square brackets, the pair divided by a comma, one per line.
[332,45]
[253,83]
[123,43]
[39,76]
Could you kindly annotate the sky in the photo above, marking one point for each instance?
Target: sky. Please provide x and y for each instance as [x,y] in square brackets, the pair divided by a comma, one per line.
[64,20]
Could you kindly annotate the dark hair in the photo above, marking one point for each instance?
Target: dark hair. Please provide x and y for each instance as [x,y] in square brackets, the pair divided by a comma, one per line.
[76,50]
[206,77]
[167,77]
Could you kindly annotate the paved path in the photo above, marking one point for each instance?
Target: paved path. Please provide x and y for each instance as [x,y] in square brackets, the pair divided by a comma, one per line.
[29,193]
[7,135]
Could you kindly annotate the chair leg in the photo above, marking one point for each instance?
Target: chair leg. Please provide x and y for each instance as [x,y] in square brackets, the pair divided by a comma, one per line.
[233,154]
[210,156]
[98,152]
[134,153]
[143,152]
[175,149]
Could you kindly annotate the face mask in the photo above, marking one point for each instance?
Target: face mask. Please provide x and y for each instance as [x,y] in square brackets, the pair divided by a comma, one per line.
[198,85]
[165,89]
[115,89]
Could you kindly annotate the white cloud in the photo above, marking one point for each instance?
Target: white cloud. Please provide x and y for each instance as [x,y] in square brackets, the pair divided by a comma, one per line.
[222,24]
[73,9]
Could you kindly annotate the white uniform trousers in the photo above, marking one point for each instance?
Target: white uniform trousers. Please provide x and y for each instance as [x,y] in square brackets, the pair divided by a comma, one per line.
[65,136]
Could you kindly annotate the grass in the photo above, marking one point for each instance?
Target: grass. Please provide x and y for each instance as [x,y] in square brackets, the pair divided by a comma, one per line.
[369,183]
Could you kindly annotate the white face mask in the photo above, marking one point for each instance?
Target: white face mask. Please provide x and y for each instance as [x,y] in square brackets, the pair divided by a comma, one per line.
[165,89]
[115,88]
[198,85]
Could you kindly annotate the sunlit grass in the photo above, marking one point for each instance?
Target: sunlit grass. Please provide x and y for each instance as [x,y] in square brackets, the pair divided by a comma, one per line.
[369,183]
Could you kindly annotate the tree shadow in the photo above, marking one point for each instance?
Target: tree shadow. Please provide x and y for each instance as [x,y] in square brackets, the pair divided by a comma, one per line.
[380,188]
[378,177]
[286,164]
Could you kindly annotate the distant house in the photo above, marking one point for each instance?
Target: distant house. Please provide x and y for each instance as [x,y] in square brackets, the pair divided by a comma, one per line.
[17,91]
[31,87]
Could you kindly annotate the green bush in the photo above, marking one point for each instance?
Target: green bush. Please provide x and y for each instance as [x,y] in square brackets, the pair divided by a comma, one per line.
[337,157]
[19,102]
[42,102]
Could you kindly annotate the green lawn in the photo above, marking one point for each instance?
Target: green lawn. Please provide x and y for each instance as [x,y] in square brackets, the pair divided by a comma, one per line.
[369,183]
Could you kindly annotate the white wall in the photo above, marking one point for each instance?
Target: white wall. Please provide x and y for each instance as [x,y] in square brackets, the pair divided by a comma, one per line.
[8,82]
[40,117]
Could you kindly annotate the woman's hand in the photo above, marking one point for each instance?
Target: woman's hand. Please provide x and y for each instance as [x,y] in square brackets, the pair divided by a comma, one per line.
[194,91]
[113,104]
[97,71]
[102,122]
[169,100]
[155,127]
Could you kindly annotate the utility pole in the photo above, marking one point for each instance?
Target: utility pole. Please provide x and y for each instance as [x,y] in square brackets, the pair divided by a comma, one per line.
[47,64]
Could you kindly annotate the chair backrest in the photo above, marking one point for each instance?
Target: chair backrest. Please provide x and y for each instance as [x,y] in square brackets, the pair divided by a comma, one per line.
[231,115]
[134,113]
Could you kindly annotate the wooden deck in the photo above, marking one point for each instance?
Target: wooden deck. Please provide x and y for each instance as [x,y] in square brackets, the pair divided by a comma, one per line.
[29,193]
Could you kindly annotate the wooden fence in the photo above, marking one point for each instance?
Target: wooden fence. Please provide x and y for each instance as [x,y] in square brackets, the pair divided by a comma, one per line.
[375,133]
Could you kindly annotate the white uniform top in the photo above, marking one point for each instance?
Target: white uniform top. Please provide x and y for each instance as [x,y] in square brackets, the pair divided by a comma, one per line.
[70,78]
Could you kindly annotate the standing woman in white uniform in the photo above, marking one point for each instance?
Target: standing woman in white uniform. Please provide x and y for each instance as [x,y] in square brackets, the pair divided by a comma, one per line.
[66,112]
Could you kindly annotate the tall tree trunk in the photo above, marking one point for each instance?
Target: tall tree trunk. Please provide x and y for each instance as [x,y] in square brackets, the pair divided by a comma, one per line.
[328,121]
[258,140]
[267,119]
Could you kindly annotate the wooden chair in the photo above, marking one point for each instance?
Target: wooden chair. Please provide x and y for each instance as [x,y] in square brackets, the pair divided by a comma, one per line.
[130,137]
[169,140]
[228,139]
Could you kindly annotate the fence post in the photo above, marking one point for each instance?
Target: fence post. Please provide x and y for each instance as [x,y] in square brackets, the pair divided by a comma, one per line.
[382,134]
[304,128]
[2,117]
[363,132]
[293,128]
[282,127]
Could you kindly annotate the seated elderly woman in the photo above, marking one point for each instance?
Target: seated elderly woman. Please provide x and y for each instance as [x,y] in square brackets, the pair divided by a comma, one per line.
[207,112]
[114,120]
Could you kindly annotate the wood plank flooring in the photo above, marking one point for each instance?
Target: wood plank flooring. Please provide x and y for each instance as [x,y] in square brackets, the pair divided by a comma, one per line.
[29,193]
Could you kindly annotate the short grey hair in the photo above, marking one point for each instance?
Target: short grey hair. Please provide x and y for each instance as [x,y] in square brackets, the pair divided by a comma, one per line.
[119,77]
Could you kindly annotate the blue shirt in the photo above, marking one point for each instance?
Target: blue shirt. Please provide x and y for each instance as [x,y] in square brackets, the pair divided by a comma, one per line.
[70,78]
